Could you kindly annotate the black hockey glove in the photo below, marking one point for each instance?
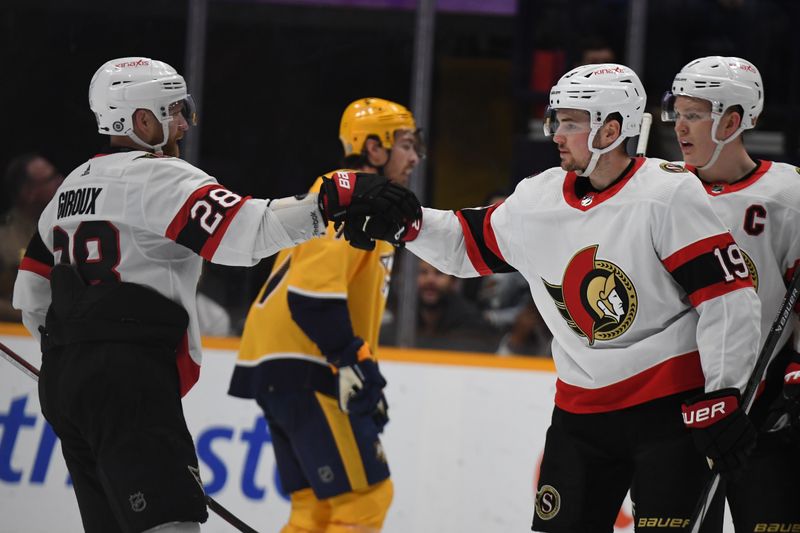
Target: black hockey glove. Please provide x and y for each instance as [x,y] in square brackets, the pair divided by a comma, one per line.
[354,198]
[360,383]
[721,430]
[791,393]
[785,410]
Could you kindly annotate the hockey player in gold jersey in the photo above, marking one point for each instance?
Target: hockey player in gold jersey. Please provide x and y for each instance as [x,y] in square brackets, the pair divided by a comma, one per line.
[307,352]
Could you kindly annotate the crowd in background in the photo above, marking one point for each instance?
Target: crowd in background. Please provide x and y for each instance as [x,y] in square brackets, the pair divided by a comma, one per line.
[273,143]
[494,314]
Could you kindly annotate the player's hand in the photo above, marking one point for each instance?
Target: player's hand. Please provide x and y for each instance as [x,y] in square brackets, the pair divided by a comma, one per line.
[362,232]
[348,194]
[721,429]
[371,207]
[785,410]
[360,383]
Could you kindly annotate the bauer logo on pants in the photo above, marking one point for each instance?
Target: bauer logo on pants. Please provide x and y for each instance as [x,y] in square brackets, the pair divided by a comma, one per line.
[548,502]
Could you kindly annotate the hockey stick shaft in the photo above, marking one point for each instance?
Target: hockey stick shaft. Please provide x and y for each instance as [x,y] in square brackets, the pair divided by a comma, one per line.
[33,373]
[644,134]
[749,394]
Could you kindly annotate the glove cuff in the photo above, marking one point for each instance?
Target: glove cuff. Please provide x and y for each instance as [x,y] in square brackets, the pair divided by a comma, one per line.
[412,230]
[322,203]
[792,373]
[707,409]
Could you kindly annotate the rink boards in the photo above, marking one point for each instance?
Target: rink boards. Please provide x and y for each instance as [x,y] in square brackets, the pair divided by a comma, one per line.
[463,444]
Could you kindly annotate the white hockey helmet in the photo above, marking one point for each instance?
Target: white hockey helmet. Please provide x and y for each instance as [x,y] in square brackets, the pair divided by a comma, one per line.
[601,90]
[121,86]
[725,82]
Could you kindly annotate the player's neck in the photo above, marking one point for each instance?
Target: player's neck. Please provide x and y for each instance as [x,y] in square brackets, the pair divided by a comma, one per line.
[126,142]
[732,164]
[369,169]
[609,168]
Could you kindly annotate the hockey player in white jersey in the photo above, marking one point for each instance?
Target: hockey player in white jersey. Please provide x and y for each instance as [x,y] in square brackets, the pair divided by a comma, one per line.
[712,101]
[109,281]
[637,279]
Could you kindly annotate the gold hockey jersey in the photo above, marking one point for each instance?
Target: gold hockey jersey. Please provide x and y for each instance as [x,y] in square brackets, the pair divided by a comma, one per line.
[325,268]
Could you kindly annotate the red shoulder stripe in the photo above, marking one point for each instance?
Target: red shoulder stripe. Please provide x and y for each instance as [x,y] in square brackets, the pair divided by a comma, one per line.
[488,232]
[211,245]
[473,252]
[718,289]
[182,218]
[696,249]
[37,267]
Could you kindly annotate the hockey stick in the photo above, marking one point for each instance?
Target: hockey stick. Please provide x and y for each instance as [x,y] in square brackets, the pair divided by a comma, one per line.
[644,134]
[33,373]
[764,356]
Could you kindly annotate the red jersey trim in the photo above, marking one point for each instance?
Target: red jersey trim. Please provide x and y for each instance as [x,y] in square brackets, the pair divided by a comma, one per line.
[696,249]
[488,232]
[718,289]
[599,197]
[211,245]
[473,252]
[720,188]
[37,267]
[182,217]
[679,374]
[188,370]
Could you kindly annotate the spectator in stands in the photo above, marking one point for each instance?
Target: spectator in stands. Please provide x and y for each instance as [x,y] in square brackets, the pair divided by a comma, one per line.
[30,182]
[446,320]
[595,50]
[528,335]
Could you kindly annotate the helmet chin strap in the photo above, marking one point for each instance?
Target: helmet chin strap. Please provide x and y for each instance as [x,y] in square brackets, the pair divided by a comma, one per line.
[719,144]
[156,148]
[597,152]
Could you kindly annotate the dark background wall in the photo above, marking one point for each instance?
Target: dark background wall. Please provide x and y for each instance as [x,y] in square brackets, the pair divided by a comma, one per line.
[278,76]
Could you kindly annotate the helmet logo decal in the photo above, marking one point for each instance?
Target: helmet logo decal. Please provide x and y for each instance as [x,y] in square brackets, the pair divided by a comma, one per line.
[596,298]
[142,62]
[609,70]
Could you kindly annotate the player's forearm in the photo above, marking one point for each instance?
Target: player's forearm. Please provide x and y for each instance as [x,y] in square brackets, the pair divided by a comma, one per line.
[728,336]
[441,243]
[264,227]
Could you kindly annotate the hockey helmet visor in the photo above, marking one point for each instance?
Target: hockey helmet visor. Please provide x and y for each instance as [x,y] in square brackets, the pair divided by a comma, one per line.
[693,113]
[185,107]
[565,124]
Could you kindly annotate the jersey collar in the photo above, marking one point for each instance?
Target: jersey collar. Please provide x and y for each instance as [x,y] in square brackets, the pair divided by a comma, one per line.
[579,193]
[718,188]
[108,150]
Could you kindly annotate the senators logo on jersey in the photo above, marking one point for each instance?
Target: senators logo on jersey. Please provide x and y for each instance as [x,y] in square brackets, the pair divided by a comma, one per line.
[751,267]
[596,298]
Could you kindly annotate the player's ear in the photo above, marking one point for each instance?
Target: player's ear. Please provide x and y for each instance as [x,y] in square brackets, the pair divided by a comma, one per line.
[730,122]
[375,152]
[141,120]
[612,130]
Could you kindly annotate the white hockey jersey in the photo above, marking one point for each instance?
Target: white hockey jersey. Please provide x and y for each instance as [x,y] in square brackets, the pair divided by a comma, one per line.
[762,211]
[636,282]
[136,217]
